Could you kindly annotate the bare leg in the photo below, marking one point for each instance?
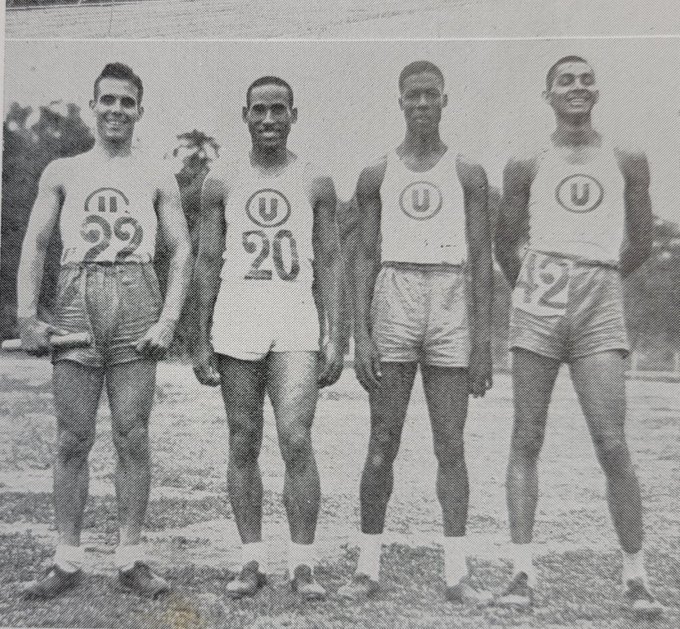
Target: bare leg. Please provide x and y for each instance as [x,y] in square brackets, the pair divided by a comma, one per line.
[131,388]
[388,403]
[293,390]
[77,390]
[533,378]
[600,385]
[446,391]
[243,387]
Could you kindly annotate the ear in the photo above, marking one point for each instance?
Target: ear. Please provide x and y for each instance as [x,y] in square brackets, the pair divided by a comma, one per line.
[140,112]
[401,103]
[445,100]
[293,115]
[93,104]
[596,96]
[244,114]
[546,95]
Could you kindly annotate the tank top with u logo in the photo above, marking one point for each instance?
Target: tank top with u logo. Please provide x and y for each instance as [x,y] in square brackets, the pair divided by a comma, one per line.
[577,210]
[422,219]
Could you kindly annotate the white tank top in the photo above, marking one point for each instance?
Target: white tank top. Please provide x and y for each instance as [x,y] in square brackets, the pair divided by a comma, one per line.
[108,213]
[578,209]
[269,227]
[422,218]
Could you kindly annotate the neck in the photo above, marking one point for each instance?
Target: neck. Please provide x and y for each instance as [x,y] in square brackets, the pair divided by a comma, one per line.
[266,157]
[109,148]
[575,131]
[421,145]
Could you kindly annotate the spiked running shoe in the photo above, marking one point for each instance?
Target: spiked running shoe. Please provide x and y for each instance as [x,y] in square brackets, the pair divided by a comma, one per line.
[518,595]
[53,583]
[468,591]
[640,601]
[304,583]
[142,580]
[248,582]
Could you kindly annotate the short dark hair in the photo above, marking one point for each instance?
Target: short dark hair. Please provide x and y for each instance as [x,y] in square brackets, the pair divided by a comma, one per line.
[269,80]
[418,67]
[122,72]
[552,73]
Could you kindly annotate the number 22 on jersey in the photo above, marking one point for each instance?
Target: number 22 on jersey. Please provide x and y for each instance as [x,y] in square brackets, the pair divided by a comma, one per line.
[542,287]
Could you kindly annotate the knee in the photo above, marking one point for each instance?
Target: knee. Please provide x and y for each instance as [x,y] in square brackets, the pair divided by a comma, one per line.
[526,445]
[74,446]
[132,443]
[244,446]
[381,452]
[613,456]
[450,453]
[296,447]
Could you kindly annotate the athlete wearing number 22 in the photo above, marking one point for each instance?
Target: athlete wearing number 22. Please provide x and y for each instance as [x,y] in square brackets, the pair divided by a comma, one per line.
[267,232]
[586,205]
[108,204]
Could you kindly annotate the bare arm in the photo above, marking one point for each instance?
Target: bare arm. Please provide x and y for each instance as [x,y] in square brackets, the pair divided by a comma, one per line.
[638,207]
[365,265]
[46,208]
[513,219]
[328,263]
[43,218]
[211,243]
[476,188]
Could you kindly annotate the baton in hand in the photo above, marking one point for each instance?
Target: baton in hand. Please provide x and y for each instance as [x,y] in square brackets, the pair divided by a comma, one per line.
[70,340]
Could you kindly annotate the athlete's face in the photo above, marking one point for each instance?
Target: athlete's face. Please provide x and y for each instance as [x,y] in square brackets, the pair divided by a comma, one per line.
[422,100]
[116,108]
[269,115]
[573,90]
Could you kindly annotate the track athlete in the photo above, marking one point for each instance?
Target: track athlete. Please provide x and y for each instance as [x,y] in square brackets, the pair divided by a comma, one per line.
[585,203]
[108,203]
[426,208]
[268,222]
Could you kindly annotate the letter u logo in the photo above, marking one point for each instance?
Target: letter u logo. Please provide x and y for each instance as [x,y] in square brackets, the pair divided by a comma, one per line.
[582,198]
[268,214]
[418,205]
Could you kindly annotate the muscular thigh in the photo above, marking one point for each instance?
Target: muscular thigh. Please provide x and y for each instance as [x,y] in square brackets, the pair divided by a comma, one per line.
[243,387]
[292,387]
[77,389]
[446,392]
[131,388]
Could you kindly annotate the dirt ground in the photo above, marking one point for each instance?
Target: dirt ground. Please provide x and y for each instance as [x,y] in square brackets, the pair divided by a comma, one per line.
[353,19]
[190,528]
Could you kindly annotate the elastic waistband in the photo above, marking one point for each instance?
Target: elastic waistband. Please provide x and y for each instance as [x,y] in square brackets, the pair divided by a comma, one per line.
[443,267]
[104,264]
[577,260]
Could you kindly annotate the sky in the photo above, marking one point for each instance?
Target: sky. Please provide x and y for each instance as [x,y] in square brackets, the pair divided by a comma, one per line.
[346,93]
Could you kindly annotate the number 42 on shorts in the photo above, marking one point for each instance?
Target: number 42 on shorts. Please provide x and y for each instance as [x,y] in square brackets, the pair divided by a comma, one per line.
[543,285]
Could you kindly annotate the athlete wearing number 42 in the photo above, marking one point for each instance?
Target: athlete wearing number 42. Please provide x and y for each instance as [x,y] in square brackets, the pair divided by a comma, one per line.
[268,229]
[587,208]
[108,203]
[423,210]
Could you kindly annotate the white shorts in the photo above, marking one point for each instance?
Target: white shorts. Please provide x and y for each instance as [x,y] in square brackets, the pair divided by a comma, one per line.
[251,319]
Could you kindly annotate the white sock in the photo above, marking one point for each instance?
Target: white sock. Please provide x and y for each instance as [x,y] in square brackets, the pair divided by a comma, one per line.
[69,558]
[523,561]
[370,548]
[633,566]
[455,559]
[255,551]
[126,556]
[300,555]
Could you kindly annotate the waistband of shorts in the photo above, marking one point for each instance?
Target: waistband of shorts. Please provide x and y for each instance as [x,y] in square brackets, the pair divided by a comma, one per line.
[578,260]
[426,267]
[105,264]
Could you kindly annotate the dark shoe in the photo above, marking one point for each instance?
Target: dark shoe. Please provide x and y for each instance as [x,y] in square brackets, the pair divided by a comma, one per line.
[640,601]
[53,583]
[468,592]
[142,580]
[248,582]
[359,587]
[306,585]
[518,595]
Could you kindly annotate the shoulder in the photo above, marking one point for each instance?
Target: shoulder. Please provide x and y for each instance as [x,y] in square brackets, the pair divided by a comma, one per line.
[470,171]
[372,176]
[632,161]
[57,172]
[522,166]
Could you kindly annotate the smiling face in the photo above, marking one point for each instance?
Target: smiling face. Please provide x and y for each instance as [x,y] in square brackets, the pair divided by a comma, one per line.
[269,116]
[422,100]
[116,109]
[573,91]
